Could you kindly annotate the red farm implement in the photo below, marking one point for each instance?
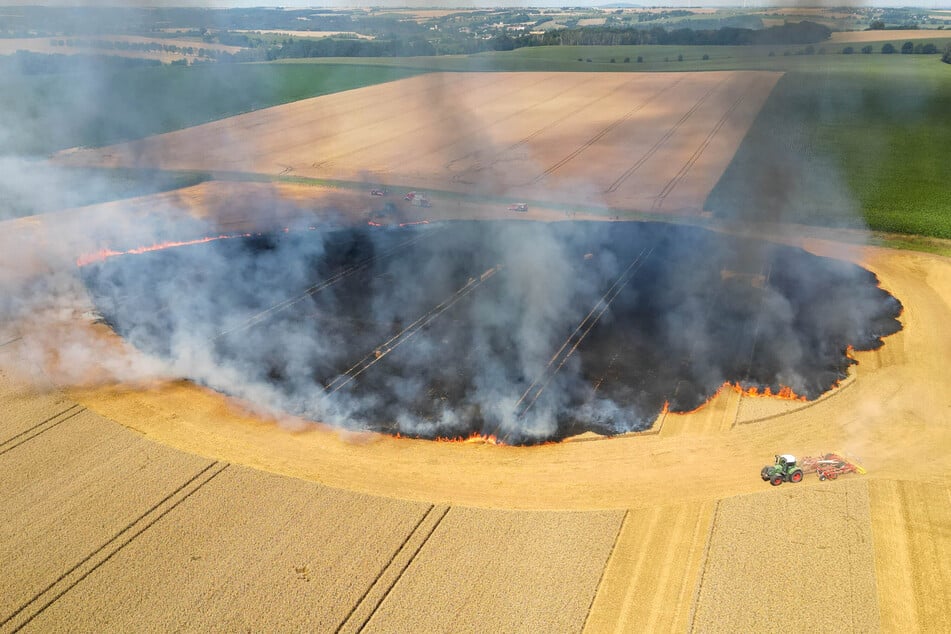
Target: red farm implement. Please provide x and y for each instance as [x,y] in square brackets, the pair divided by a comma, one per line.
[830,466]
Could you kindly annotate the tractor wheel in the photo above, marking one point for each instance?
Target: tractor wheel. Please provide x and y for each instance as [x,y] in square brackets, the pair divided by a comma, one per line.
[795,476]
[764,473]
[833,475]
[776,480]
[822,476]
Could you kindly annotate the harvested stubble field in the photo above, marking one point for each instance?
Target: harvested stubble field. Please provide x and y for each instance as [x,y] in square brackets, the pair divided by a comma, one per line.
[662,140]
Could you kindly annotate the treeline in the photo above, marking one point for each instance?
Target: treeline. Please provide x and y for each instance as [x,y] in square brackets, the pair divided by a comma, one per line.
[908,48]
[122,45]
[798,33]
[332,47]
[28,63]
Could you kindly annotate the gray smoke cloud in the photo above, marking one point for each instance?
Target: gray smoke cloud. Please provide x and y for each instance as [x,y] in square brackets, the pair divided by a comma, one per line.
[542,294]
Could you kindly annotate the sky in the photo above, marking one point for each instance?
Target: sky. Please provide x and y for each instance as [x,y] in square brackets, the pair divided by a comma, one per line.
[457,4]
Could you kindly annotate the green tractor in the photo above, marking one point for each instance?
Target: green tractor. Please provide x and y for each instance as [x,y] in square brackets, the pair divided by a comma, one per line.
[785,470]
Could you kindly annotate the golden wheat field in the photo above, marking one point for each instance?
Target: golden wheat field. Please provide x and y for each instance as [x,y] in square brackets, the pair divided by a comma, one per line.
[151,503]
[661,141]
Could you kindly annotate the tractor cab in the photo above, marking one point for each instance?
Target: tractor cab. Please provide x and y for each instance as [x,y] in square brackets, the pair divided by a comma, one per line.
[786,461]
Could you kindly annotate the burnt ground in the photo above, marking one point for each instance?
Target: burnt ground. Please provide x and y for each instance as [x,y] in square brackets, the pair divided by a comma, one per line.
[529,331]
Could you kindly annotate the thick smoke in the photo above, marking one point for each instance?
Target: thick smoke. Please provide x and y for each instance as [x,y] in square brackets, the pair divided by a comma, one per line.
[461,327]
[527,331]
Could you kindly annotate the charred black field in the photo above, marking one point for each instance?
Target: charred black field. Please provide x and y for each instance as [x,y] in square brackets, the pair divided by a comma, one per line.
[527,331]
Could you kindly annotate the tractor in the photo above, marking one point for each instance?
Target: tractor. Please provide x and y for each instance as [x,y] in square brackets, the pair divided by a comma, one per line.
[784,470]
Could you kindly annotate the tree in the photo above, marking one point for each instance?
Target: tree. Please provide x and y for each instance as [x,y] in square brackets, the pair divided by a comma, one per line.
[888,49]
[680,57]
[640,59]
[946,58]
[907,48]
[867,49]
[877,25]
[848,50]
[705,57]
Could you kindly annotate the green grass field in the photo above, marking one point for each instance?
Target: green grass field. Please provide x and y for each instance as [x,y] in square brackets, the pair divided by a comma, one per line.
[46,113]
[845,147]
[655,58]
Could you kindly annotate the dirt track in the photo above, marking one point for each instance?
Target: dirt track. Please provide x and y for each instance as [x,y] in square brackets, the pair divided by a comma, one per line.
[648,141]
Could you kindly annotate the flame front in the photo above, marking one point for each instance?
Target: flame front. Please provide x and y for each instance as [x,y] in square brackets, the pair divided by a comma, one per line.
[104,254]
[785,392]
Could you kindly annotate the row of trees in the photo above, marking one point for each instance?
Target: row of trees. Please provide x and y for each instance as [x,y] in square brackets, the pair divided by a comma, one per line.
[798,33]
[910,48]
[122,45]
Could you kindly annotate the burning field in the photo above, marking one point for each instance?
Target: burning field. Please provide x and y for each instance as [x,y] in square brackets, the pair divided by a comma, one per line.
[216,466]
[519,331]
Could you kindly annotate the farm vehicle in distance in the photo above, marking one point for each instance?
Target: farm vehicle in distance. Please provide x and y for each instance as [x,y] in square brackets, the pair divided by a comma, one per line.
[828,466]
[784,469]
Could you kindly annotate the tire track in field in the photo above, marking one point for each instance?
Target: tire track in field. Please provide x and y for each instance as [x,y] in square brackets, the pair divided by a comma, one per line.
[482,128]
[361,613]
[425,100]
[547,98]
[524,140]
[703,569]
[561,356]
[607,564]
[281,134]
[662,140]
[604,131]
[391,344]
[402,131]
[269,312]
[72,577]
[42,427]
[685,169]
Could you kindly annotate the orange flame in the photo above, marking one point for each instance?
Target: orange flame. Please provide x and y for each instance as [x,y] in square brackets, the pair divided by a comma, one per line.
[473,438]
[104,254]
[784,393]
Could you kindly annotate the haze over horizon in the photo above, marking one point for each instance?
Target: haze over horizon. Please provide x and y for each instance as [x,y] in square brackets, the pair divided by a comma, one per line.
[460,4]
